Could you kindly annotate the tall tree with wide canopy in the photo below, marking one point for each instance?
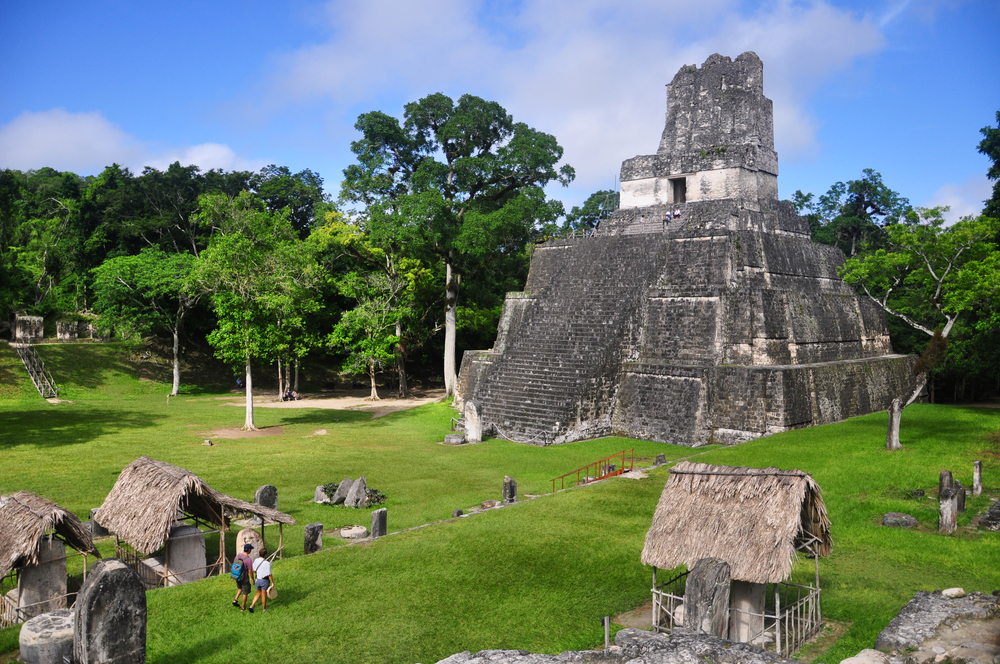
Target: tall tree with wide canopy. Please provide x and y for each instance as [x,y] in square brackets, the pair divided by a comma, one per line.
[257,271]
[459,181]
[990,146]
[928,277]
[147,293]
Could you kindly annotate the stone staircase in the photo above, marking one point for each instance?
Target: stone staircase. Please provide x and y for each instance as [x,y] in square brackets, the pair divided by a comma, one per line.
[40,376]
[560,366]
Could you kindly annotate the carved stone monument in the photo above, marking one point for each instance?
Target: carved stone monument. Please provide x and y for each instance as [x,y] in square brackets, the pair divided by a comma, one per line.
[723,325]
[706,597]
[473,422]
[29,329]
[314,538]
[379,522]
[96,529]
[66,330]
[109,616]
[509,490]
[42,587]
[267,496]
[249,536]
[48,638]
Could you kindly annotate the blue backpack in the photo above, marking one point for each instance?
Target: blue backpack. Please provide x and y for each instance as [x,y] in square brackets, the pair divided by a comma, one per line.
[239,571]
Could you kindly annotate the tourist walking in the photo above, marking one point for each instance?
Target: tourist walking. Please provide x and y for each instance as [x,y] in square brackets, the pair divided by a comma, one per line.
[264,582]
[243,580]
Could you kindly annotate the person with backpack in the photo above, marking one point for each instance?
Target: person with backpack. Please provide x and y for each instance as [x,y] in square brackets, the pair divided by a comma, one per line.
[241,571]
[265,580]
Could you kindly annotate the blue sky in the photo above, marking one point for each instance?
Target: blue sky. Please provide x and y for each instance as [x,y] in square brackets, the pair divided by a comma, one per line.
[901,86]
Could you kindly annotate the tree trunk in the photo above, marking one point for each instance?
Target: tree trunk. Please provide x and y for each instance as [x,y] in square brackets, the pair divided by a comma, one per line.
[371,374]
[281,386]
[895,414]
[248,424]
[177,365]
[400,361]
[296,384]
[450,306]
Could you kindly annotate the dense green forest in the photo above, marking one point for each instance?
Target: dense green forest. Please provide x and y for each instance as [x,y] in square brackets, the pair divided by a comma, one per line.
[433,224]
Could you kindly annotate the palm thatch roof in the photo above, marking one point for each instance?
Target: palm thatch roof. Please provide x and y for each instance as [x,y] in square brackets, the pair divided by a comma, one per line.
[143,504]
[24,520]
[753,518]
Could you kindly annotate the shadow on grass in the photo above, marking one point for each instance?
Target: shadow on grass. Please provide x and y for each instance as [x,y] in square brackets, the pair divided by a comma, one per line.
[89,366]
[323,416]
[64,426]
[200,649]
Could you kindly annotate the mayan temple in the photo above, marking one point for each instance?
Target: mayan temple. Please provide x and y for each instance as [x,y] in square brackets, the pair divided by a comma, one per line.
[724,325]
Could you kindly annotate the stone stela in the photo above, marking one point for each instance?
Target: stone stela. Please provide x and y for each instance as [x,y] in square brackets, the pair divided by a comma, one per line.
[723,325]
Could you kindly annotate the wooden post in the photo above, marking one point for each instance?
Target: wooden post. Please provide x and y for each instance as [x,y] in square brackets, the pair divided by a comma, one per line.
[222,540]
[281,541]
[977,478]
[777,619]
[948,506]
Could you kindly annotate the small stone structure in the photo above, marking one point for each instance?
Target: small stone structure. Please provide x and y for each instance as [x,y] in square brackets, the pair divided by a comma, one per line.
[84,330]
[313,538]
[344,488]
[706,601]
[249,536]
[661,459]
[991,520]
[977,478]
[379,522]
[36,584]
[722,326]
[354,532]
[473,422]
[110,616]
[948,506]
[96,529]
[66,330]
[184,559]
[267,496]
[48,638]
[29,329]
[509,490]
[899,520]
[454,439]
[357,496]
[636,646]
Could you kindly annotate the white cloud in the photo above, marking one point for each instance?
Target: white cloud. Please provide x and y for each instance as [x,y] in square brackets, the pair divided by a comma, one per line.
[87,142]
[591,72]
[964,198]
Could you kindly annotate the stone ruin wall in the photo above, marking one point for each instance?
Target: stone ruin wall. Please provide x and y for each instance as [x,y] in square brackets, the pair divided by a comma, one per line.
[725,325]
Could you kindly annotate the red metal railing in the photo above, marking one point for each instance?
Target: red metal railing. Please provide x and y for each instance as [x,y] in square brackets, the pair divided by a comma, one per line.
[602,469]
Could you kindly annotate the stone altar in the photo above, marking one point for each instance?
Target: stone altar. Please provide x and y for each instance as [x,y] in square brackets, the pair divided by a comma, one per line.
[724,325]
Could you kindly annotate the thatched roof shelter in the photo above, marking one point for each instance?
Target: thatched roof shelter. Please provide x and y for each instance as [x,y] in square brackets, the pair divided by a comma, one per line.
[143,504]
[753,518]
[24,520]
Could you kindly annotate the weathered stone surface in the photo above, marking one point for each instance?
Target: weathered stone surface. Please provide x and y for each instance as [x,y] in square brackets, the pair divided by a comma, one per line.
[945,481]
[960,493]
[706,597]
[249,536]
[96,529]
[746,613]
[185,555]
[991,520]
[454,439]
[473,422]
[340,495]
[357,496]
[379,522]
[354,532]
[635,646]
[267,496]
[661,459]
[319,496]
[899,520]
[977,478]
[509,490]
[953,593]
[457,513]
[867,656]
[109,621]
[948,510]
[66,330]
[489,504]
[919,620]
[42,587]
[668,333]
[29,329]
[313,538]
[47,638]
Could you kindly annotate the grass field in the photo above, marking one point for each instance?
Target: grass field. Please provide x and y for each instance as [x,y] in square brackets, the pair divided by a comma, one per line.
[537,575]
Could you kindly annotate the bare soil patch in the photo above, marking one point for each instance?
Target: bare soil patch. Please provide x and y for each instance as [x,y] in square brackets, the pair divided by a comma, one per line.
[240,433]
[355,401]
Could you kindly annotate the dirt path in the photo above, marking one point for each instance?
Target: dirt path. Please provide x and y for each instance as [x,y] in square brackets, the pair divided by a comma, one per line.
[355,401]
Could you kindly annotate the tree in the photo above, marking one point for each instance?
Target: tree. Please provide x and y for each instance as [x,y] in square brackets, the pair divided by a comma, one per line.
[366,331]
[599,206]
[301,193]
[147,293]
[461,182]
[928,277]
[256,270]
[990,146]
[852,214]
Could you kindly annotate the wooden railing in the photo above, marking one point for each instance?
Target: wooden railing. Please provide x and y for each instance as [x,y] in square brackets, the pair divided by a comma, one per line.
[602,469]
[40,376]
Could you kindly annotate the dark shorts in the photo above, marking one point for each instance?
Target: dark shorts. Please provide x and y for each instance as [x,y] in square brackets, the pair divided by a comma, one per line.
[263,584]
[244,585]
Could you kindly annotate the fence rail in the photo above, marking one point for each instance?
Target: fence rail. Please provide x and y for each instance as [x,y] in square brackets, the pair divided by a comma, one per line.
[602,470]
[40,376]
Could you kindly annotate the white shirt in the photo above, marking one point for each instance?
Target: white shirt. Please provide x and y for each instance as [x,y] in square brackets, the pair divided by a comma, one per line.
[262,567]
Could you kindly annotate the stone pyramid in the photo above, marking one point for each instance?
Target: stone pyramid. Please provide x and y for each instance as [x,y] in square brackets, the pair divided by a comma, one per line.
[722,326]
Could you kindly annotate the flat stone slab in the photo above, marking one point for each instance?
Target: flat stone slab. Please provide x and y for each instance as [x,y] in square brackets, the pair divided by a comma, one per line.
[454,439]
[635,646]
[354,532]
[920,619]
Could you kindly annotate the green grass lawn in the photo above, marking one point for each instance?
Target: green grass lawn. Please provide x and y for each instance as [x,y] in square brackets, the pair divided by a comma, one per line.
[537,575]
